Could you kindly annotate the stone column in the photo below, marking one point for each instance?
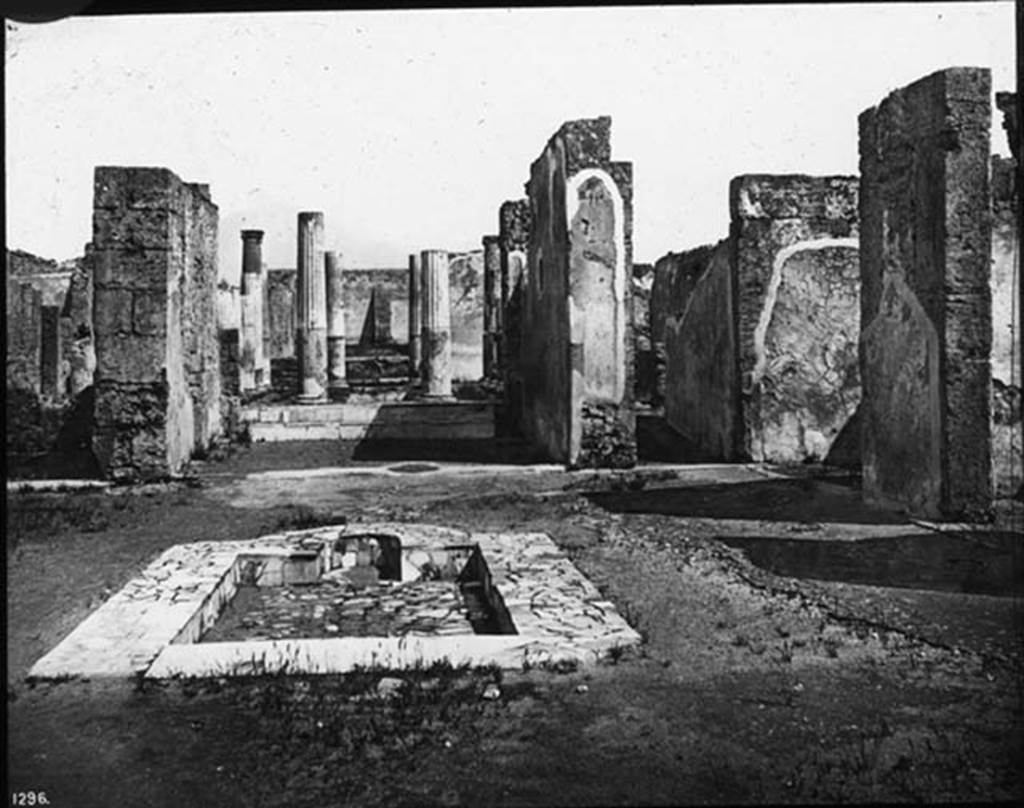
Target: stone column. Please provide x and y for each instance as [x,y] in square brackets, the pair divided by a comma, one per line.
[311,294]
[335,281]
[254,371]
[415,316]
[437,327]
[492,305]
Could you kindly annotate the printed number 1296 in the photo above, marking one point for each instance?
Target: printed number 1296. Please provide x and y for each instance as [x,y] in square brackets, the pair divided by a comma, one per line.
[29,798]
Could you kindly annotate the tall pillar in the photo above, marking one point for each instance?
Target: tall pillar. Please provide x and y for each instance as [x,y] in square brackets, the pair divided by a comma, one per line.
[437,326]
[926,305]
[311,294]
[492,305]
[415,316]
[335,281]
[254,370]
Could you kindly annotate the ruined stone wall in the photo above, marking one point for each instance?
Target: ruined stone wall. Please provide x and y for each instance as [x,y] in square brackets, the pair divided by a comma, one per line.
[1006,357]
[24,314]
[157,382]
[795,248]
[576,352]
[77,346]
[279,313]
[50,361]
[39,341]
[466,299]
[926,320]
[696,291]
[675,275]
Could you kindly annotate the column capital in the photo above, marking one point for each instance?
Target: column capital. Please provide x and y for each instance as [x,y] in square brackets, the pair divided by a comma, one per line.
[252,235]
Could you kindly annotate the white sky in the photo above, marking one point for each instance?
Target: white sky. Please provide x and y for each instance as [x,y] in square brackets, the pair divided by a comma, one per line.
[409,128]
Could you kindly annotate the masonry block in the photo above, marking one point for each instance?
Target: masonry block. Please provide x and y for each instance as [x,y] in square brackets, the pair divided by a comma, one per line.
[158,381]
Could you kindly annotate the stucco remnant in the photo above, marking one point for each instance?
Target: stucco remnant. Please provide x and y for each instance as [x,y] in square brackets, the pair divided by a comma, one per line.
[576,343]
[759,331]
[798,310]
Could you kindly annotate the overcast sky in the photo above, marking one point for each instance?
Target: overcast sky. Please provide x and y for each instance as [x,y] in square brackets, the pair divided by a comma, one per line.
[409,128]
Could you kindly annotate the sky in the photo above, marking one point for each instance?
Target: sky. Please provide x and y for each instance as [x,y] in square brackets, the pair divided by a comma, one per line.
[409,128]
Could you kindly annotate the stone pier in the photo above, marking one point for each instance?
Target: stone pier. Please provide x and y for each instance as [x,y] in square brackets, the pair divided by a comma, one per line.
[157,381]
[415,316]
[311,295]
[926,319]
[492,305]
[436,319]
[255,367]
[335,281]
[576,343]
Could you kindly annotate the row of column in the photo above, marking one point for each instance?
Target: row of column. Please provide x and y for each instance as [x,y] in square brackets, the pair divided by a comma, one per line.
[430,324]
[320,321]
[320,316]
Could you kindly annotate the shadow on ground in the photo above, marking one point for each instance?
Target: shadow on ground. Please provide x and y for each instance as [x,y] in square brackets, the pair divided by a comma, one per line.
[771,500]
[986,564]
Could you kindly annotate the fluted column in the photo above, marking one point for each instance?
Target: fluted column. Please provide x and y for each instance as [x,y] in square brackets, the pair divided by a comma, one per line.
[254,369]
[335,280]
[437,327]
[311,299]
[492,304]
[415,316]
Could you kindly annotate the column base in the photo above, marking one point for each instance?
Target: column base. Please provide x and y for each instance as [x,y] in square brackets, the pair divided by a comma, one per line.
[306,398]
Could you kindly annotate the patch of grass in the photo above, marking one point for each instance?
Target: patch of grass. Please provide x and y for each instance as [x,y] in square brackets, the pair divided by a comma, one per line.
[333,740]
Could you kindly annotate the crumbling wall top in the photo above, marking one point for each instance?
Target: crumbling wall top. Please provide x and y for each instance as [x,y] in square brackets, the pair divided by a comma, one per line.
[792,196]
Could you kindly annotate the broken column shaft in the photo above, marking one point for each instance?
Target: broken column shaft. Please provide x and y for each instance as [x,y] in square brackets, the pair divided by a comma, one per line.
[437,330]
[254,369]
[415,316]
[311,331]
[335,282]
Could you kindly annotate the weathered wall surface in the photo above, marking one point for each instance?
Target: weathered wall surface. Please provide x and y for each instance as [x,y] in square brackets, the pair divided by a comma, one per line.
[466,298]
[24,313]
[675,275]
[795,249]
[279,313]
[1006,357]
[200,334]
[389,290]
[926,322]
[576,349]
[76,323]
[49,359]
[697,296]
[514,226]
[157,383]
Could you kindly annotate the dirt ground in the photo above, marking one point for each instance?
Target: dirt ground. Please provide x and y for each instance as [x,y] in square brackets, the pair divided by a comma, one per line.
[798,647]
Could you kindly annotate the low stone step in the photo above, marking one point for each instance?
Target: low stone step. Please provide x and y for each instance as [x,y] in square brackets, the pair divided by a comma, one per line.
[383,420]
